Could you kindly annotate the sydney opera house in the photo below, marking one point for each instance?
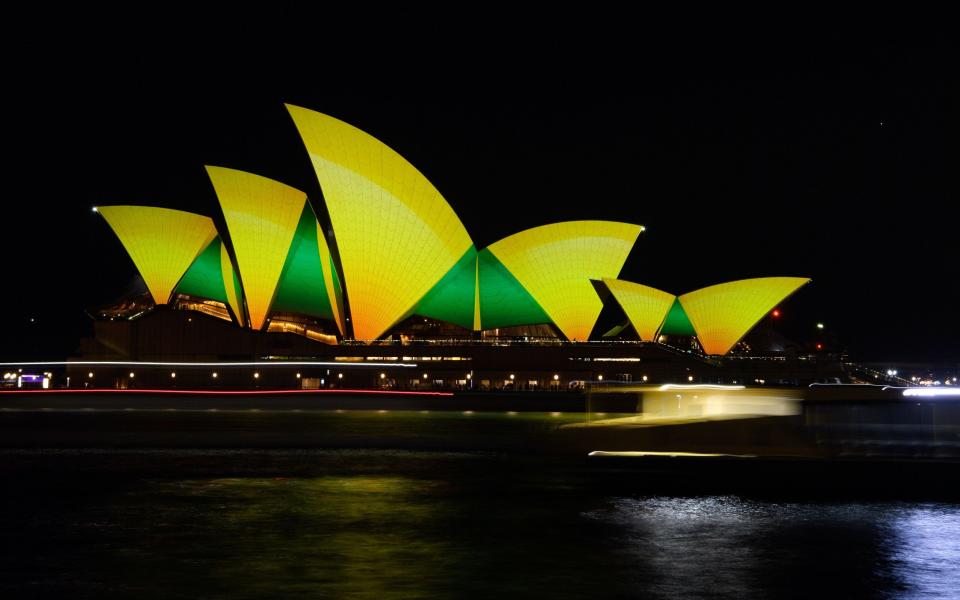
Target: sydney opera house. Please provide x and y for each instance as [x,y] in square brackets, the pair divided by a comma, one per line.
[381,268]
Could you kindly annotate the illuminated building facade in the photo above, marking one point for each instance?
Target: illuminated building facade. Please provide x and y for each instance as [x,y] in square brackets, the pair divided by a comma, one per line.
[396,256]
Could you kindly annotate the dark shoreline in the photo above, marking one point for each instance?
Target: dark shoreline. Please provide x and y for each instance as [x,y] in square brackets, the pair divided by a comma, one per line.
[789,454]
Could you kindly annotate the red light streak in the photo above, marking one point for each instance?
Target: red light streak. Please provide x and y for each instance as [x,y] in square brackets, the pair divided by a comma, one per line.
[227,392]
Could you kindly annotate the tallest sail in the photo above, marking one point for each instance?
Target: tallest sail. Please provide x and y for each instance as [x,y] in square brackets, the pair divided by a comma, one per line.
[396,235]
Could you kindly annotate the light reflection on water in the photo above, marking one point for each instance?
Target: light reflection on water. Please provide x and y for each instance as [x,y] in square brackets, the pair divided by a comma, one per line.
[732,547]
[382,524]
[925,550]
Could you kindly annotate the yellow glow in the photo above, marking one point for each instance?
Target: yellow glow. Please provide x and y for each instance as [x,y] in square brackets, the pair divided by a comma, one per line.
[226,267]
[328,277]
[396,234]
[556,262]
[161,242]
[262,216]
[722,314]
[646,307]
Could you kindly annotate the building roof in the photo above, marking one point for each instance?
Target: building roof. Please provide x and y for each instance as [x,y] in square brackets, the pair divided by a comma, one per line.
[396,235]
[162,242]
[722,314]
[645,307]
[397,249]
[556,262]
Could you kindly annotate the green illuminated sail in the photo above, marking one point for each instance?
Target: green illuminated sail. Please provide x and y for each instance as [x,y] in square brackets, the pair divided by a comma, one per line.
[301,288]
[677,321]
[452,298]
[204,278]
[504,302]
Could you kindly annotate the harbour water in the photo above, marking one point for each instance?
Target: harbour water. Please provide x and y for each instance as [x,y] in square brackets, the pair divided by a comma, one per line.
[381,523]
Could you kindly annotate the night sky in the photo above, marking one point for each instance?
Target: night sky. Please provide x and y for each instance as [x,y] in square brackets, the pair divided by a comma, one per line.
[828,157]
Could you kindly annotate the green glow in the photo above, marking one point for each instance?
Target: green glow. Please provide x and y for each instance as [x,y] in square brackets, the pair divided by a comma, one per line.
[504,302]
[301,288]
[615,331]
[204,279]
[677,322]
[452,299]
[337,290]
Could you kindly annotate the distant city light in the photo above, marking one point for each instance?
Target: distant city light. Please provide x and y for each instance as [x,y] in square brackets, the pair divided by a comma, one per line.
[776,313]
[819,346]
[819,325]
[95,209]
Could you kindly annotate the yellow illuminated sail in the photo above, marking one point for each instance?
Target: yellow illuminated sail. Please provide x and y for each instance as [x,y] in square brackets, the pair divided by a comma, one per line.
[161,242]
[722,314]
[229,283]
[396,235]
[262,216]
[645,307]
[556,262]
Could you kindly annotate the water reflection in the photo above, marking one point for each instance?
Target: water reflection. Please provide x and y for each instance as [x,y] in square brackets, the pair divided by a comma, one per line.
[381,524]
[731,547]
[356,536]
[924,546]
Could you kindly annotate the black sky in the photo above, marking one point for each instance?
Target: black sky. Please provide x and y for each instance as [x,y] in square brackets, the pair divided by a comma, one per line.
[828,156]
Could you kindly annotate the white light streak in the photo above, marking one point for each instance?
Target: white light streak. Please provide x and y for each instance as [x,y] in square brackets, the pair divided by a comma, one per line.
[931,393]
